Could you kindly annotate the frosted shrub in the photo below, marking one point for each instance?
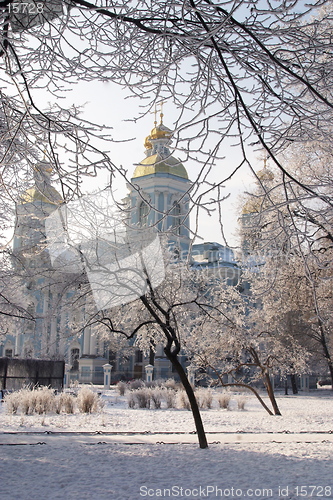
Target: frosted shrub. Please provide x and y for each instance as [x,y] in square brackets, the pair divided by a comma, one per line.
[135,384]
[152,384]
[182,400]
[38,400]
[57,404]
[12,401]
[32,398]
[204,398]
[159,382]
[121,386]
[67,402]
[170,398]
[131,400]
[241,402]
[170,384]
[42,400]
[156,397]
[143,397]
[87,400]
[208,399]
[224,401]
[26,401]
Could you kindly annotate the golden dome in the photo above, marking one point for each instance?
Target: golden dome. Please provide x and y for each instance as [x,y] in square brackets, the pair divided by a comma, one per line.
[156,164]
[43,167]
[265,174]
[252,206]
[160,131]
[50,196]
[147,143]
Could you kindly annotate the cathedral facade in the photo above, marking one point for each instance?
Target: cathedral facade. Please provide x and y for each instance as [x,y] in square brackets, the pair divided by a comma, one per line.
[158,195]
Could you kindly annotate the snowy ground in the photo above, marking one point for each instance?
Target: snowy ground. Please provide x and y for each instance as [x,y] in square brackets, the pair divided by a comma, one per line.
[79,466]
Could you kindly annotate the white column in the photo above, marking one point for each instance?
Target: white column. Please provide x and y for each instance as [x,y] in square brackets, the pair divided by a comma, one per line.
[17,343]
[44,330]
[92,350]
[67,376]
[165,208]
[53,335]
[107,375]
[86,341]
[191,375]
[149,373]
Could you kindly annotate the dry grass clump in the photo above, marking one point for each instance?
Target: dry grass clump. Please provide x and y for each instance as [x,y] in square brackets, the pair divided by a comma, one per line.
[204,398]
[38,400]
[182,400]
[87,400]
[241,402]
[224,401]
[42,400]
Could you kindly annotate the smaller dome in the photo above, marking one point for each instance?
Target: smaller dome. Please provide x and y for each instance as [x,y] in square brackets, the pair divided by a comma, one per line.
[33,194]
[265,174]
[158,157]
[147,143]
[252,206]
[44,167]
[160,131]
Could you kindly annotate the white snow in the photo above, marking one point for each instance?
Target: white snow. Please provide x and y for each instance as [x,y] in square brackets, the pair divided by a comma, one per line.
[84,466]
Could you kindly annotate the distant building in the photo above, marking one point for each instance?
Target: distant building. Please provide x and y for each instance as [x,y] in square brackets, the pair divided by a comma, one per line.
[158,195]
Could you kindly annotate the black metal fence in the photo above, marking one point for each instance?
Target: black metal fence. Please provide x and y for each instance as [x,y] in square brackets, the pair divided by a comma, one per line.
[17,373]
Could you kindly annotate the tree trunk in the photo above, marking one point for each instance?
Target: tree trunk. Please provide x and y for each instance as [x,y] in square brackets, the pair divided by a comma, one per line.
[270,392]
[329,361]
[240,384]
[293,380]
[191,397]
[326,351]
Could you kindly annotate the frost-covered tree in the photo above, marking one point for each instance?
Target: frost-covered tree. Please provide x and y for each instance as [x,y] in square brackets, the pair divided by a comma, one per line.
[161,315]
[298,304]
[289,235]
[245,73]
[234,342]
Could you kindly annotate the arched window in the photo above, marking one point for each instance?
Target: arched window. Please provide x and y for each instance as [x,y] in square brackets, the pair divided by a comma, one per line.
[176,218]
[143,214]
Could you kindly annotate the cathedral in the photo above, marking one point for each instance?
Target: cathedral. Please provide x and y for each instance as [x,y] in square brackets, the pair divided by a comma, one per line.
[158,195]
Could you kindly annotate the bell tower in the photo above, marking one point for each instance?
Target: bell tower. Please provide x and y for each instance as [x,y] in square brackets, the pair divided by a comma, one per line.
[159,190]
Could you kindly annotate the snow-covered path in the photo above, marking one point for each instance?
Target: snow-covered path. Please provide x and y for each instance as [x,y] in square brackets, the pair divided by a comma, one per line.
[86,456]
[78,471]
[67,438]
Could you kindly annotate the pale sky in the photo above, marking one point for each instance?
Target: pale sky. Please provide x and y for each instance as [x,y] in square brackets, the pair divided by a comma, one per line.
[105,103]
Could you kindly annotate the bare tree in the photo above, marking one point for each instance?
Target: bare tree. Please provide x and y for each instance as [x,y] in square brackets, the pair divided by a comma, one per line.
[253,73]
[288,236]
[235,344]
[298,305]
[158,316]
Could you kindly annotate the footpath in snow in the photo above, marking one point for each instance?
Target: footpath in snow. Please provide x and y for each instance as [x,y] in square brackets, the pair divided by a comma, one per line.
[251,454]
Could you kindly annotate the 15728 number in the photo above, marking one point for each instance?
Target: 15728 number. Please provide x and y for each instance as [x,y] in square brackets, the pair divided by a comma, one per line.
[26,8]
[313,491]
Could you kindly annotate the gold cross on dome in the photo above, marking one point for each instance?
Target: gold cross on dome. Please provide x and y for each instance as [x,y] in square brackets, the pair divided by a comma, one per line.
[161,112]
[155,114]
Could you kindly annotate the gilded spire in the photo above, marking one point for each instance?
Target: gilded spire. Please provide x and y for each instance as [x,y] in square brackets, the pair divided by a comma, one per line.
[158,157]
[158,132]
[265,174]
